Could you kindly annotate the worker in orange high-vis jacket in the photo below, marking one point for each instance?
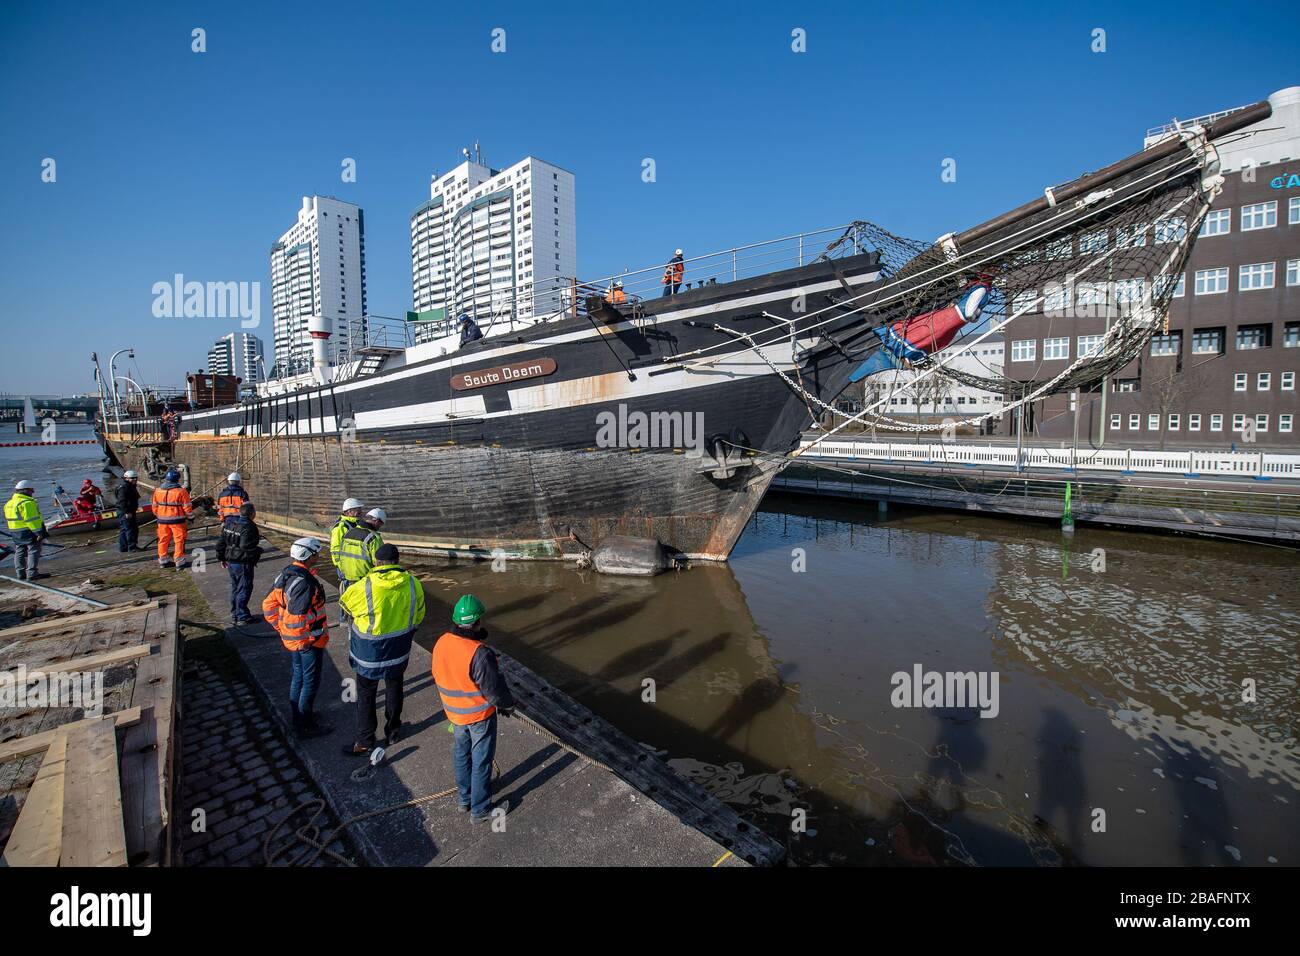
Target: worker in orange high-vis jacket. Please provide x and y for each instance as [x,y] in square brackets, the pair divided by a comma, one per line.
[673,273]
[172,510]
[473,692]
[296,609]
[232,498]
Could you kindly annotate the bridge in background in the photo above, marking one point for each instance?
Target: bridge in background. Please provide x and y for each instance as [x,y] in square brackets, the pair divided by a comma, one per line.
[58,407]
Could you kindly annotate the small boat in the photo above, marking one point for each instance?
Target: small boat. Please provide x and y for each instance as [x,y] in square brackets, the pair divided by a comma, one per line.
[68,517]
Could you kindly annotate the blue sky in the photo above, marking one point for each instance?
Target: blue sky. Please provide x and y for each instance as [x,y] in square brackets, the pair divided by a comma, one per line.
[170,161]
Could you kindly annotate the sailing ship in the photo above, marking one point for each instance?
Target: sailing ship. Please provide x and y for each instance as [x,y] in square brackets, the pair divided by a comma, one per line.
[660,416]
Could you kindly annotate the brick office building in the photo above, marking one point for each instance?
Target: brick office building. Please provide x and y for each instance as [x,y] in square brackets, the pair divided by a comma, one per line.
[1226,370]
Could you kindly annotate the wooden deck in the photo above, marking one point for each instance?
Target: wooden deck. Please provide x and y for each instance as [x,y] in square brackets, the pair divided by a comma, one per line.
[87,779]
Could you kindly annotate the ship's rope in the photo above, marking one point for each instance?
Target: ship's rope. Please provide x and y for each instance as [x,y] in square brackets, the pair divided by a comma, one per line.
[1065,221]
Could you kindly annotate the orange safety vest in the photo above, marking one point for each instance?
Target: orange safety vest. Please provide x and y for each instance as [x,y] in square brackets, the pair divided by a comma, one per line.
[230,501]
[171,505]
[297,631]
[462,701]
[618,297]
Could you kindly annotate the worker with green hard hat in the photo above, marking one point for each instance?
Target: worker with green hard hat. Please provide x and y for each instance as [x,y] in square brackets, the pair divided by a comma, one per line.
[473,692]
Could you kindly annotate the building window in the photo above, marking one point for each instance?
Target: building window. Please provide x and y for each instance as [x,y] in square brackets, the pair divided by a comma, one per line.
[1024,350]
[1288,382]
[1253,337]
[1175,422]
[1168,344]
[1089,345]
[1134,422]
[1024,301]
[1207,342]
[1056,348]
[1092,242]
[1135,235]
[1216,423]
[1263,381]
[1261,422]
[1180,285]
[1056,298]
[1291,335]
[1258,275]
[1238,423]
[1193,422]
[1115,422]
[1293,272]
[1239,382]
[1125,385]
[1153,423]
[1284,423]
[1211,281]
[1217,223]
[1293,211]
[1260,215]
[1172,229]
[1060,249]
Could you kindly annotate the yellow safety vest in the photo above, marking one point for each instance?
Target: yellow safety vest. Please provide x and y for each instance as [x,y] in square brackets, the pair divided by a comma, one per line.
[23,513]
[356,552]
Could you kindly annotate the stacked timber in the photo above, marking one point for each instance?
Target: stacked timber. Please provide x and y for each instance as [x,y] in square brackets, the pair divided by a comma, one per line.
[88,721]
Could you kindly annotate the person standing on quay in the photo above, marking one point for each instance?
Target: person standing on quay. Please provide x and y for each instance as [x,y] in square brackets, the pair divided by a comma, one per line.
[238,551]
[296,609]
[473,691]
[384,609]
[128,509]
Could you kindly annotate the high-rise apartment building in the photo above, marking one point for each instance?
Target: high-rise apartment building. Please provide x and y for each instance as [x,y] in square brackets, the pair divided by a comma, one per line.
[237,353]
[318,267]
[494,243]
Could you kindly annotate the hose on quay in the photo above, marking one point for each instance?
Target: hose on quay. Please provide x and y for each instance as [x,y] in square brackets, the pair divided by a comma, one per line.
[310,834]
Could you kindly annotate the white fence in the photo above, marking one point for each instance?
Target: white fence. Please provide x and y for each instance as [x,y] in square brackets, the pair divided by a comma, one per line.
[1240,464]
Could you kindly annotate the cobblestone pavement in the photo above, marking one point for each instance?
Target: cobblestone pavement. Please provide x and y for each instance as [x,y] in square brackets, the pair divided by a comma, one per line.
[235,765]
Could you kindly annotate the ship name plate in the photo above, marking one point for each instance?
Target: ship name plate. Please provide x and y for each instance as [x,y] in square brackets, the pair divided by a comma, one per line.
[497,374]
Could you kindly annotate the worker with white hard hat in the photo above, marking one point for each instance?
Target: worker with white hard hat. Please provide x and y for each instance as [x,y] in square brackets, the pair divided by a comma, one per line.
[128,513]
[232,498]
[27,529]
[296,609]
[673,273]
[349,516]
[356,552]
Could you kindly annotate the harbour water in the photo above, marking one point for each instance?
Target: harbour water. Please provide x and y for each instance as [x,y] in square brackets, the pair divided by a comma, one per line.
[1121,735]
[1147,685]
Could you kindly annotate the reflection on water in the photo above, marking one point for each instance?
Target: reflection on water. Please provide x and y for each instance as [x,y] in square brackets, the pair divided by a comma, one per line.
[1125,734]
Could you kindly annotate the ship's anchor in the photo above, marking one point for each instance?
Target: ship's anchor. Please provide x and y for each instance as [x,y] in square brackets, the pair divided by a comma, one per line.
[726,458]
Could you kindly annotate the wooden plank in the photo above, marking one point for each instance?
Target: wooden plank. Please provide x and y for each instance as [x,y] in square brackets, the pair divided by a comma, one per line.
[35,743]
[148,747]
[37,837]
[75,620]
[92,798]
[92,662]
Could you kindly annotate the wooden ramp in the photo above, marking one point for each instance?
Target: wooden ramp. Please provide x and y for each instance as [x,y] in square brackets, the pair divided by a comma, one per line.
[88,726]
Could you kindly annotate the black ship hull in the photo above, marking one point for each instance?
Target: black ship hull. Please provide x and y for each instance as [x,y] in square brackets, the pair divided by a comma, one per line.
[543,443]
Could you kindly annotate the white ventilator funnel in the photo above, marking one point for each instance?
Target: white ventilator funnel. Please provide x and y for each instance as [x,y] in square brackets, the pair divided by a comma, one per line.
[320,329]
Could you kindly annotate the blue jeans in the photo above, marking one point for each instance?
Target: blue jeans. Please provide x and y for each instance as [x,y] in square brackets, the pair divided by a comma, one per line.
[472,752]
[241,590]
[128,532]
[305,680]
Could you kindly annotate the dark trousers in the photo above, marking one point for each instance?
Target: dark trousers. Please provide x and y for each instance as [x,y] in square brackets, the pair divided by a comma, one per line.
[472,752]
[304,682]
[128,532]
[366,719]
[670,288]
[241,589]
